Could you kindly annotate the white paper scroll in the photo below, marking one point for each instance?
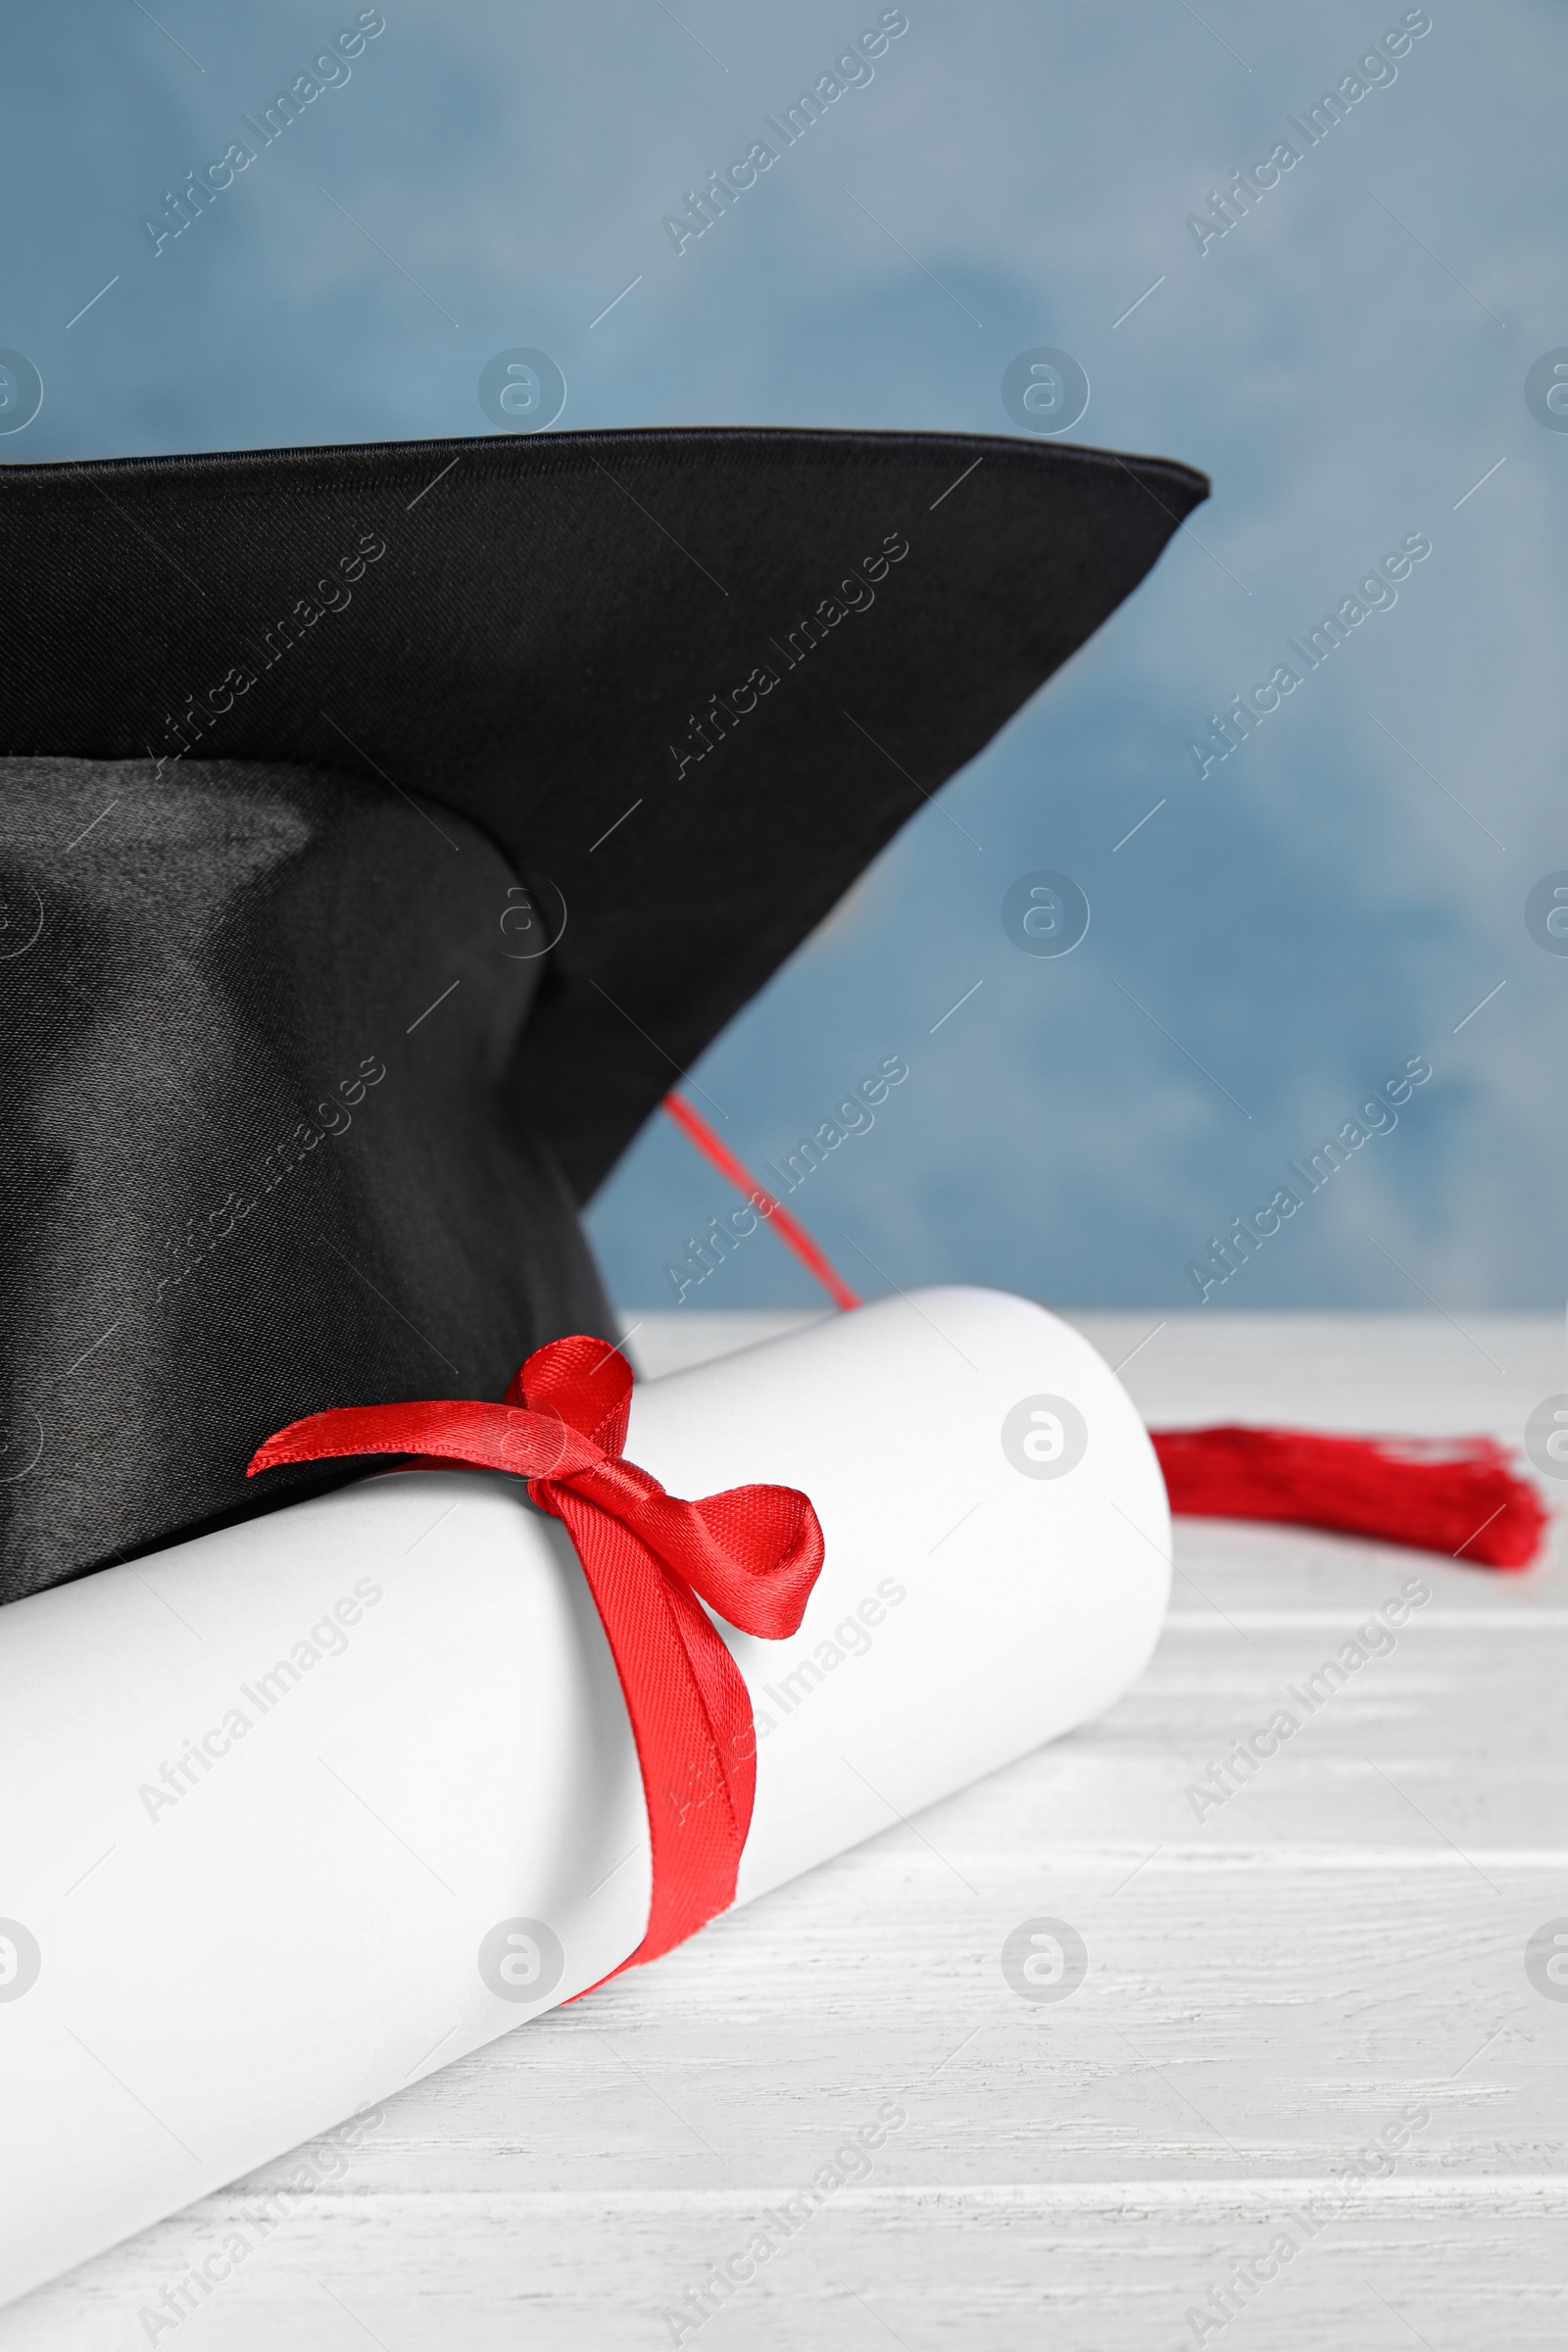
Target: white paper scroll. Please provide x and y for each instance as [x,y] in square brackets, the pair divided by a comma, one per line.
[295,1813]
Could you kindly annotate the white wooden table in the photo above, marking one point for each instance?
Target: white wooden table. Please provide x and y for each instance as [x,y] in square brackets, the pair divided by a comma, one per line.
[1267,1990]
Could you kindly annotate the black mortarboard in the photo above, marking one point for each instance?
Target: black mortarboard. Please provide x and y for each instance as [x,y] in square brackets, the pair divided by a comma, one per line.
[382,831]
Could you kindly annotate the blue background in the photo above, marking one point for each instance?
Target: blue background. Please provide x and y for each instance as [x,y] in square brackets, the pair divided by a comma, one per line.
[1346,362]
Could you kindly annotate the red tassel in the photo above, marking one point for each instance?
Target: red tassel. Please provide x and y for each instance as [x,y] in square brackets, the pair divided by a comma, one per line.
[1459,1496]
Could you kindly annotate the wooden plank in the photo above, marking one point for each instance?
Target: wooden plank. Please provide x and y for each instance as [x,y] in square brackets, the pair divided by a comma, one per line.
[1453,2266]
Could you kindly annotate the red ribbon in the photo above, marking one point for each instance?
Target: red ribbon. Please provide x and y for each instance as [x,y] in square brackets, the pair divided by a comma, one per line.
[753,1554]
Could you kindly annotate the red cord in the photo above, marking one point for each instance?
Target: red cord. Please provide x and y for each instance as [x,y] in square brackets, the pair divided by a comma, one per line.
[789,1229]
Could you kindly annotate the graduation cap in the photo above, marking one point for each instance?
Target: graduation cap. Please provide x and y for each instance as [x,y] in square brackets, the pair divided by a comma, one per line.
[383,830]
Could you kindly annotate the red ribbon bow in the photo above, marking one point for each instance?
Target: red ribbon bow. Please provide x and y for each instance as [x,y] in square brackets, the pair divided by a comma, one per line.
[753,1554]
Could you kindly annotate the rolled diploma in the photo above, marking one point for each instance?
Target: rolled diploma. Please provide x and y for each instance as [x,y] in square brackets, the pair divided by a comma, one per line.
[287,1925]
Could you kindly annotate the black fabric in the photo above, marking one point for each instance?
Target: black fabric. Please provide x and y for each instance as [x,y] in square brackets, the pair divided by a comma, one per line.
[548,618]
[248,1172]
[306,757]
